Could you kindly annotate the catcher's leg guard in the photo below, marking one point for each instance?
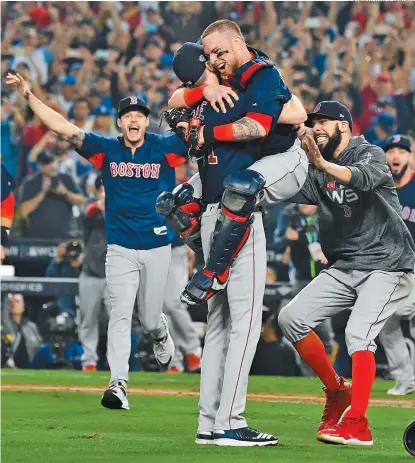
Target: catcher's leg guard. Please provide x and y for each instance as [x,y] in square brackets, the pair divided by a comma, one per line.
[182,213]
[231,233]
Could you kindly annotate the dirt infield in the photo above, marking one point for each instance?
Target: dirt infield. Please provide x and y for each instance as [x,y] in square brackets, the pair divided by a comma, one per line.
[185,393]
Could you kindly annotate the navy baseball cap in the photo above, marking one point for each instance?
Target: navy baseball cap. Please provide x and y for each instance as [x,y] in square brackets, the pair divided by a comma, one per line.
[189,63]
[132,103]
[401,141]
[330,110]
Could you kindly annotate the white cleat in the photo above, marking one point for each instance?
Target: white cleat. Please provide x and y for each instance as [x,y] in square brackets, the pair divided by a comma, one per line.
[164,349]
[402,388]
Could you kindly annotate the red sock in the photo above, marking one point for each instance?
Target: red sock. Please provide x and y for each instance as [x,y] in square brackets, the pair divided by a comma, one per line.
[313,352]
[363,375]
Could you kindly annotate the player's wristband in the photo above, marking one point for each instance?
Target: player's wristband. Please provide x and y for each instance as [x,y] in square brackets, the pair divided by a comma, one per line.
[218,133]
[4,235]
[193,96]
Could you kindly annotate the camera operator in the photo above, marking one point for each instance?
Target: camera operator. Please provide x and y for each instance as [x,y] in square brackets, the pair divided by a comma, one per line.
[66,264]
[93,290]
[297,236]
[26,347]
[46,200]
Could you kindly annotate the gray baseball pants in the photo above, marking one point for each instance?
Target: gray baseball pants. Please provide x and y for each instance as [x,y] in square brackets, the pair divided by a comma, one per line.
[134,274]
[372,296]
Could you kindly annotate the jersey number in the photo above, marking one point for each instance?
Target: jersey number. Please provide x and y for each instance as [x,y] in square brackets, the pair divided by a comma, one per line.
[212,158]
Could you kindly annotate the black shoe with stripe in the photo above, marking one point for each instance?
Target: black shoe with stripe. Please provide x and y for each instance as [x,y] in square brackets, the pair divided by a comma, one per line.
[244,437]
[115,398]
[204,438]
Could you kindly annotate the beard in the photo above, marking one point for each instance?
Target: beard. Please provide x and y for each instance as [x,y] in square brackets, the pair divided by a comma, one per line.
[399,175]
[328,150]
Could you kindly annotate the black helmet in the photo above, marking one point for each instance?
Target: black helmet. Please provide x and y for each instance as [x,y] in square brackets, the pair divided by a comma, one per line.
[409,439]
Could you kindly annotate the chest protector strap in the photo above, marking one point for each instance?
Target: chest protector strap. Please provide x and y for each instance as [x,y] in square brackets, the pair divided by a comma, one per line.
[241,80]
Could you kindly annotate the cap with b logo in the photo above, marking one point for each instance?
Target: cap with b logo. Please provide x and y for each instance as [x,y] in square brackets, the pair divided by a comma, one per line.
[399,141]
[331,110]
[189,63]
[132,103]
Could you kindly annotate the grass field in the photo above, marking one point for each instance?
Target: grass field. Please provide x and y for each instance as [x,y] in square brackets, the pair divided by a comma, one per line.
[61,426]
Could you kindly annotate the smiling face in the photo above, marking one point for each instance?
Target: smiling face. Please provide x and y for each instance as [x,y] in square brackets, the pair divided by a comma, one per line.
[398,160]
[328,135]
[133,126]
[223,51]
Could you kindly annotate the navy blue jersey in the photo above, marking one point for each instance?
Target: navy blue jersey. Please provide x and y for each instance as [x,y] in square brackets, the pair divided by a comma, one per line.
[7,183]
[132,185]
[407,199]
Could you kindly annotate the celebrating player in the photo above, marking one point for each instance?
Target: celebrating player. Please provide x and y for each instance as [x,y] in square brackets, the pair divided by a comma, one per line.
[398,151]
[136,168]
[371,256]
[233,325]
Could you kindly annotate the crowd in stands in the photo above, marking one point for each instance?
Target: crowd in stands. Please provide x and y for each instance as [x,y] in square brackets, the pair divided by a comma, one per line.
[81,57]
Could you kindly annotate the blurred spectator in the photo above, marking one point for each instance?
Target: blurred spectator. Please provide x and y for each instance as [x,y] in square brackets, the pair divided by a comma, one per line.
[66,264]
[27,350]
[93,292]
[46,200]
[81,114]
[382,128]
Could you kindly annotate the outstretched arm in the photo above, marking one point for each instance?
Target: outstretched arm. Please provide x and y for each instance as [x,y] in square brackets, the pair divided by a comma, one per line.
[50,118]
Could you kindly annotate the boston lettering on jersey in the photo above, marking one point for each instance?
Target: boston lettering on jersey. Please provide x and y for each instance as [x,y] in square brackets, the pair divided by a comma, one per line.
[132,185]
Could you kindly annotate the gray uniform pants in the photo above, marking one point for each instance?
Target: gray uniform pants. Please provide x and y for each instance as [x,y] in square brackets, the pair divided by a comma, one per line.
[130,274]
[92,294]
[372,296]
[233,330]
[400,365]
[181,326]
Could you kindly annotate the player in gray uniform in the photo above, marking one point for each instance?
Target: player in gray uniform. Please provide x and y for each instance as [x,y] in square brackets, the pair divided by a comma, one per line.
[371,257]
[398,152]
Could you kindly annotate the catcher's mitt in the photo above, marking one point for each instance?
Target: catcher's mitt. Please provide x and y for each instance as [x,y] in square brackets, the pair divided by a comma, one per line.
[176,115]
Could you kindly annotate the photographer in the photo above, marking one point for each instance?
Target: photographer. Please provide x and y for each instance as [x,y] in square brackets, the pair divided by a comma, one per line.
[93,290]
[26,348]
[66,264]
[47,199]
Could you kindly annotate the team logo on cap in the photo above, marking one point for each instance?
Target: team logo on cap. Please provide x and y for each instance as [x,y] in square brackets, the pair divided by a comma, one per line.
[341,115]
[396,139]
[202,58]
[133,100]
[317,108]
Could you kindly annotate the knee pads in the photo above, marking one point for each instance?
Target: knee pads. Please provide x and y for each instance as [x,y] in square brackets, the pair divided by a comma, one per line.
[241,190]
[182,212]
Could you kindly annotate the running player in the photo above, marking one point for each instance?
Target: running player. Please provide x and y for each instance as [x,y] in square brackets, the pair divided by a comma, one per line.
[371,256]
[136,168]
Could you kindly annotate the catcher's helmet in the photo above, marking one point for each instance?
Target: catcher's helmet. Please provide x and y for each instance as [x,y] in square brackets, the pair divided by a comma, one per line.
[409,439]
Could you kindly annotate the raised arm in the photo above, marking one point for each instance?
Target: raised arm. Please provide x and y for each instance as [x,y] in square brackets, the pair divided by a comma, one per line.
[50,118]
[293,112]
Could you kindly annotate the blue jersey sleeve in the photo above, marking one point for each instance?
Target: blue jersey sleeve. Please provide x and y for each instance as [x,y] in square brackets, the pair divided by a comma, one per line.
[93,149]
[174,149]
[267,93]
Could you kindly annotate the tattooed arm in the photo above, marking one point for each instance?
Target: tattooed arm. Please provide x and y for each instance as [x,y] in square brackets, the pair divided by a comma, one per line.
[50,118]
[246,129]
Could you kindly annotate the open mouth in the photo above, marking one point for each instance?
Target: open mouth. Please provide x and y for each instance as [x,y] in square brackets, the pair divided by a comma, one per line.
[321,139]
[133,130]
[221,67]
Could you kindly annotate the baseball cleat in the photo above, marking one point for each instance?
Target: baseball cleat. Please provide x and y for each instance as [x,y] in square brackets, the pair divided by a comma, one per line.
[203,286]
[244,437]
[336,404]
[193,363]
[115,398]
[204,438]
[402,388]
[89,368]
[348,431]
[164,348]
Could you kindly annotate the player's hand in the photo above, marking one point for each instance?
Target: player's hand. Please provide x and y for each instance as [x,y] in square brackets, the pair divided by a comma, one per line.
[46,184]
[101,204]
[217,95]
[323,259]
[291,234]
[18,83]
[310,147]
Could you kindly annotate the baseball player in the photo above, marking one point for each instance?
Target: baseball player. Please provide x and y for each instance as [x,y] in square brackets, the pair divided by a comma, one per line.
[398,151]
[282,169]
[371,256]
[7,208]
[233,324]
[136,168]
